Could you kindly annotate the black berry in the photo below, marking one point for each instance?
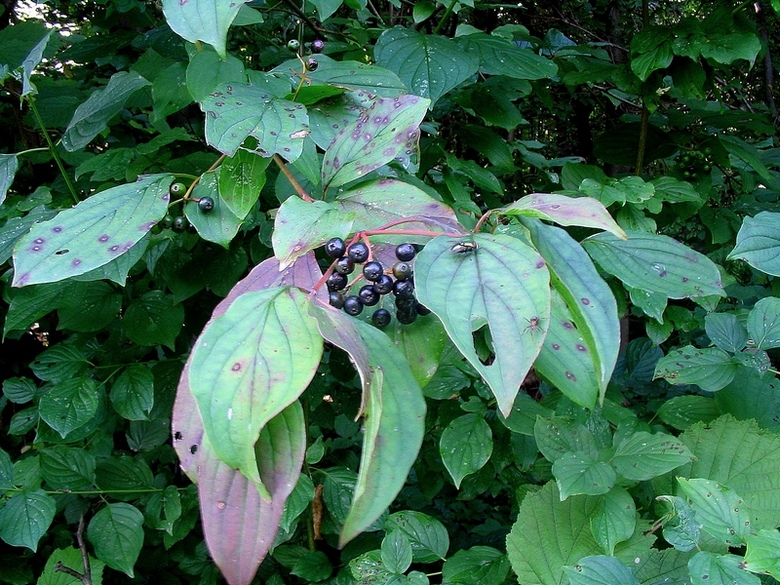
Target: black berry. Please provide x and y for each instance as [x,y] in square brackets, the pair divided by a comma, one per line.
[311,64]
[384,285]
[191,229]
[344,266]
[405,252]
[381,318]
[205,204]
[422,310]
[335,247]
[166,221]
[179,224]
[402,270]
[403,289]
[336,281]
[336,299]
[373,271]
[177,189]
[353,306]
[406,317]
[358,252]
[407,304]
[317,46]
[293,45]
[368,296]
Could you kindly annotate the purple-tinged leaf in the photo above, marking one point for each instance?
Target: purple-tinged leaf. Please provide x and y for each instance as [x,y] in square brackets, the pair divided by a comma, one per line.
[91,234]
[563,210]
[386,130]
[329,118]
[235,111]
[495,281]
[202,20]
[394,415]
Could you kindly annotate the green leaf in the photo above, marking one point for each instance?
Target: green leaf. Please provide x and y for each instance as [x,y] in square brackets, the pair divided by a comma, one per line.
[355,76]
[681,412]
[163,509]
[721,511]
[725,331]
[422,344]
[658,58]
[19,390]
[368,569]
[587,326]
[580,473]
[600,570]
[739,455]
[643,456]
[614,519]
[8,166]
[242,372]
[763,324]
[556,436]
[386,130]
[682,530]
[91,234]
[326,8]
[132,393]
[498,56]
[219,225]
[707,568]
[235,111]
[202,20]
[96,305]
[422,11]
[396,552]
[207,70]
[428,537]
[503,284]
[429,65]
[67,468]
[153,319]
[26,517]
[59,363]
[117,535]
[241,178]
[664,567]
[762,555]
[656,263]
[22,51]
[758,242]
[70,404]
[91,117]
[674,190]
[479,565]
[563,210]
[465,446]
[710,368]
[71,558]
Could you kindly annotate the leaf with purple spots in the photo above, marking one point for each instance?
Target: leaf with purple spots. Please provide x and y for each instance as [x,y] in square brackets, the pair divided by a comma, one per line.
[329,118]
[710,368]
[563,210]
[202,20]
[235,111]
[382,133]
[91,234]
[497,281]
[655,263]
[248,365]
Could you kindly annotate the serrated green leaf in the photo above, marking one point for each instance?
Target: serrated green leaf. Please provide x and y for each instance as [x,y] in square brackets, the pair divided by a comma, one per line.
[479,565]
[70,404]
[427,536]
[241,178]
[465,446]
[117,535]
[681,412]
[386,130]
[132,393]
[235,111]
[8,166]
[93,115]
[579,473]
[242,372]
[153,319]
[429,65]
[67,467]
[600,570]
[563,210]
[763,324]
[220,225]
[91,234]
[499,56]
[643,456]
[721,511]
[763,552]
[202,20]
[656,263]
[396,552]
[710,368]
[707,568]
[614,519]
[758,242]
[503,284]
[725,331]
[207,70]
[26,517]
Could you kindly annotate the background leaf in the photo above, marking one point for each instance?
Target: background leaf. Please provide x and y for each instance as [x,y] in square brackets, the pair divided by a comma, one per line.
[202,20]
[117,535]
[600,570]
[614,520]
[465,446]
[26,517]
[70,404]
[758,242]
[132,393]
[499,56]
[710,368]
[8,166]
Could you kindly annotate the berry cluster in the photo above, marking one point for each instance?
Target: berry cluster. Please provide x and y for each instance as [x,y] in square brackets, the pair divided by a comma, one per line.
[316,46]
[694,164]
[179,223]
[396,280]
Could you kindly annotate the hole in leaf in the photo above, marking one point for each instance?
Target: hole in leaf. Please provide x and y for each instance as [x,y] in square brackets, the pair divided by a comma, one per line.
[61,252]
[483,344]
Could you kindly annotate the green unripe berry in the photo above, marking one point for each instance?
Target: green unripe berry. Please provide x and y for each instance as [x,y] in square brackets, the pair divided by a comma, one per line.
[177,189]
[293,45]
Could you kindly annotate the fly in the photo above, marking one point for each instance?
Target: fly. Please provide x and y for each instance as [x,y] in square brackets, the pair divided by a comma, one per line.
[464,247]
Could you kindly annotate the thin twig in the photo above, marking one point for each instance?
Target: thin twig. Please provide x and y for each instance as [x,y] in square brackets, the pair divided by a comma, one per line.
[86,578]
[52,148]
